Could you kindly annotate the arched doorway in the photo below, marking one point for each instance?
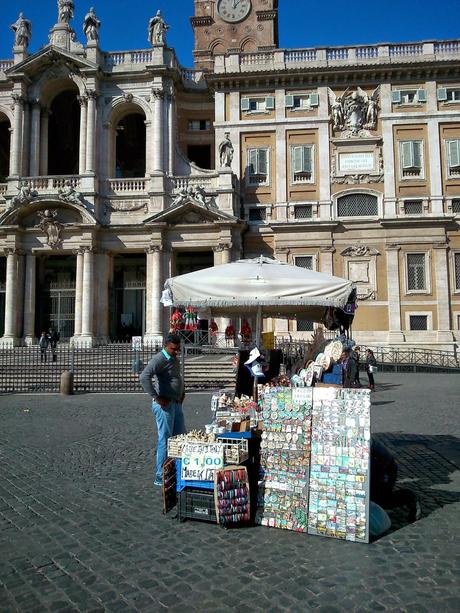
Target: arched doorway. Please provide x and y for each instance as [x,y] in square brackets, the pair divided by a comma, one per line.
[63,134]
[130,147]
[5,144]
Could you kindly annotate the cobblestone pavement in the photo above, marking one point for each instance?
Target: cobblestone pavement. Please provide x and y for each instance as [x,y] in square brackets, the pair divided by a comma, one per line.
[81,527]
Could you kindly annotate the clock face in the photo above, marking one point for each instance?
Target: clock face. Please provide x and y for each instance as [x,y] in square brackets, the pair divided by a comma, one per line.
[233,10]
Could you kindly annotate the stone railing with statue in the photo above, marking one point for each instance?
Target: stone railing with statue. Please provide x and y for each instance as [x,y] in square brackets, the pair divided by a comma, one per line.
[284,59]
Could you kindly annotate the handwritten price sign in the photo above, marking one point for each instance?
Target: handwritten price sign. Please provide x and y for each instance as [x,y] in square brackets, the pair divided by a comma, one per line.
[200,460]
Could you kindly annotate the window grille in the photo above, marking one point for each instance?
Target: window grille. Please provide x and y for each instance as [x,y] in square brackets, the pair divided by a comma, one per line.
[456,206]
[303,211]
[413,207]
[257,214]
[304,261]
[416,276]
[457,270]
[304,325]
[418,322]
[357,205]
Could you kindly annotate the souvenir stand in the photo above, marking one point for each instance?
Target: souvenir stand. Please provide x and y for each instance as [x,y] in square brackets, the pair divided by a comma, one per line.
[315,441]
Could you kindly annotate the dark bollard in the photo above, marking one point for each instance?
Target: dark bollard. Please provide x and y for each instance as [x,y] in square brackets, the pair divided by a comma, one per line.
[67,383]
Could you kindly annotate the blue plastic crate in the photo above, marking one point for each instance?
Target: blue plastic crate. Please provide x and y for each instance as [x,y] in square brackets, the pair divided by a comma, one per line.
[181,484]
[335,376]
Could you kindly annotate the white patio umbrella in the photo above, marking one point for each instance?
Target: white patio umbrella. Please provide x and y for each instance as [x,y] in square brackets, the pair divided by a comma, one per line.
[260,286]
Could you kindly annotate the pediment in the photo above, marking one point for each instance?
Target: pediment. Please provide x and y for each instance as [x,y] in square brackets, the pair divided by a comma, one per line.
[28,215]
[190,212]
[48,58]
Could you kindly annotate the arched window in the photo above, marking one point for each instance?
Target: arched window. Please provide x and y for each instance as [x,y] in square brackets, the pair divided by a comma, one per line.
[4,148]
[130,158]
[64,134]
[357,205]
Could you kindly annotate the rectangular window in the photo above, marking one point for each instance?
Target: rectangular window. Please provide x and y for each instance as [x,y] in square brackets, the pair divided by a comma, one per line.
[411,156]
[258,214]
[304,325]
[416,272]
[448,95]
[408,96]
[457,270]
[453,157]
[258,105]
[304,261]
[303,211]
[418,322]
[301,102]
[302,163]
[258,166]
[199,124]
[413,207]
[456,205]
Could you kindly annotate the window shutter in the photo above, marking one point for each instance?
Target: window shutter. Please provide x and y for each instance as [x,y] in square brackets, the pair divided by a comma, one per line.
[442,94]
[421,95]
[289,102]
[314,99]
[407,158]
[396,96]
[252,161]
[417,154]
[307,161]
[297,159]
[245,104]
[269,103]
[453,148]
[263,161]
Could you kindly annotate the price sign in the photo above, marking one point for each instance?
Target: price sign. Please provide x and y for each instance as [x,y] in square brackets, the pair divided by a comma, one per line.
[201,460]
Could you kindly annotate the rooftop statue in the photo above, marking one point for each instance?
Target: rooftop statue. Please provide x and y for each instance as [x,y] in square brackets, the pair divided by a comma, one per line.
[65,10]
[91,25]
[157,30]
[22,29]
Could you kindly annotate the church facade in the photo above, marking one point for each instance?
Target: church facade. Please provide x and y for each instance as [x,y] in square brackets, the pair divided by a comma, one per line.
[120,169]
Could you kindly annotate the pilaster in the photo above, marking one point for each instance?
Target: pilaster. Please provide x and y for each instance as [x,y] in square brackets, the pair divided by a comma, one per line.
[395,334]
[443,307]
[154,328]
[29,299]
[10,336]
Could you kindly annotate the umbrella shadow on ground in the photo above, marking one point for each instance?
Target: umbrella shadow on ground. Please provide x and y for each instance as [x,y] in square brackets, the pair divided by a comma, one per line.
[429,467]
[376,404]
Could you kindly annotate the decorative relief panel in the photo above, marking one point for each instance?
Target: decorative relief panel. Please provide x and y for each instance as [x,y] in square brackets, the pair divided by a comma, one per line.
[360,265]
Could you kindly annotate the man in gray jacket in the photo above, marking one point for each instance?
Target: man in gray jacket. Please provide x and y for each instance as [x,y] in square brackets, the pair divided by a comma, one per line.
[167,396]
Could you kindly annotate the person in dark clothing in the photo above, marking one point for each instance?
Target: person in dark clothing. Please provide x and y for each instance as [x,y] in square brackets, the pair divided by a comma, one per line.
[53,339]
[349,368]
[356,354]
[371,363]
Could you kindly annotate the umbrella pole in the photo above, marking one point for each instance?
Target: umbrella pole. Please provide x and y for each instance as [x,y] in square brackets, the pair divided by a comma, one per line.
[258,344]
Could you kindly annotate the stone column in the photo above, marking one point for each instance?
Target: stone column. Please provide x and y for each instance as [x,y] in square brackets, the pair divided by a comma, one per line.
[171,133]
[104,261]
[20,295]
[34,168]
[281,325]
[225,258]
[153,331]
[90,132]
[157,158]
[395,334]
[443,307]
[78,292]
[44,141]
[16,145]
[83,101]
[29,299]
[26,140]
[11,297]
[87,308]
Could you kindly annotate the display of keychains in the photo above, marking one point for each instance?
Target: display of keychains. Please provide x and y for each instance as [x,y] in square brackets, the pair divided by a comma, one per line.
[285,458]
[231,490]
[340,468]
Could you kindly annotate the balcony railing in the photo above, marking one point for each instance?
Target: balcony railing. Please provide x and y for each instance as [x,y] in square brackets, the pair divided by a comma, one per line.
[208,182]
[119,58]
[3,189]
[122,186]
[5,64]
[333,56]
[51,183]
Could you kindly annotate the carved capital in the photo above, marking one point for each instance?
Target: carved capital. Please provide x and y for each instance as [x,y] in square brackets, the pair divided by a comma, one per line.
[18,99]
[11,251]
[158,93]
[440,246]
[153,249]
[327,249]
[79,251]
[392,247]
[82,100]
[92,94]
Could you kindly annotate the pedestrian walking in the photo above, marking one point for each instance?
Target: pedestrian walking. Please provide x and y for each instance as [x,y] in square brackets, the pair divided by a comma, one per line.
[167,393]
[371,364]
[43,344]
[53,339]
[356,353]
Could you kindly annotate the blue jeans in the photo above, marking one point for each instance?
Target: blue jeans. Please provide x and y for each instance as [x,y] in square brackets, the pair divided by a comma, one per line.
[170,422]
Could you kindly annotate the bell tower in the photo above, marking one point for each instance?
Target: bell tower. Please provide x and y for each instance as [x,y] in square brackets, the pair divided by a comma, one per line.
[220,26]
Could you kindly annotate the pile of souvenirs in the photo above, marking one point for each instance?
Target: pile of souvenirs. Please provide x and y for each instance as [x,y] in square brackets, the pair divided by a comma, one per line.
[232,414]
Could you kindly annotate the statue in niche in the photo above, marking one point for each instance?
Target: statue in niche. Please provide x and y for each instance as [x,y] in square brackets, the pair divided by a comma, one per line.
[354,112]
[91,25]
[65,10]
[24,195]
[157,30]
[226,151]
[69,194]
[22,29]
[51,227]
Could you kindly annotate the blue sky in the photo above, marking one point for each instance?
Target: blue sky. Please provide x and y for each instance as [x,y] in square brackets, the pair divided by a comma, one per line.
[303,23]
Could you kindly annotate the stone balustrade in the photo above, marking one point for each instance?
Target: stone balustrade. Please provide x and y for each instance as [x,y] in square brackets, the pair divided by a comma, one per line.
[208,182]
[123,58]
[282,59]
[3,189]
[51,183]
[5,64]
[125,186]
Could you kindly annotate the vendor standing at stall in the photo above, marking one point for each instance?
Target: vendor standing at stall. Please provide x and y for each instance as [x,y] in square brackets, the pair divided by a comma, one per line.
[167,393]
